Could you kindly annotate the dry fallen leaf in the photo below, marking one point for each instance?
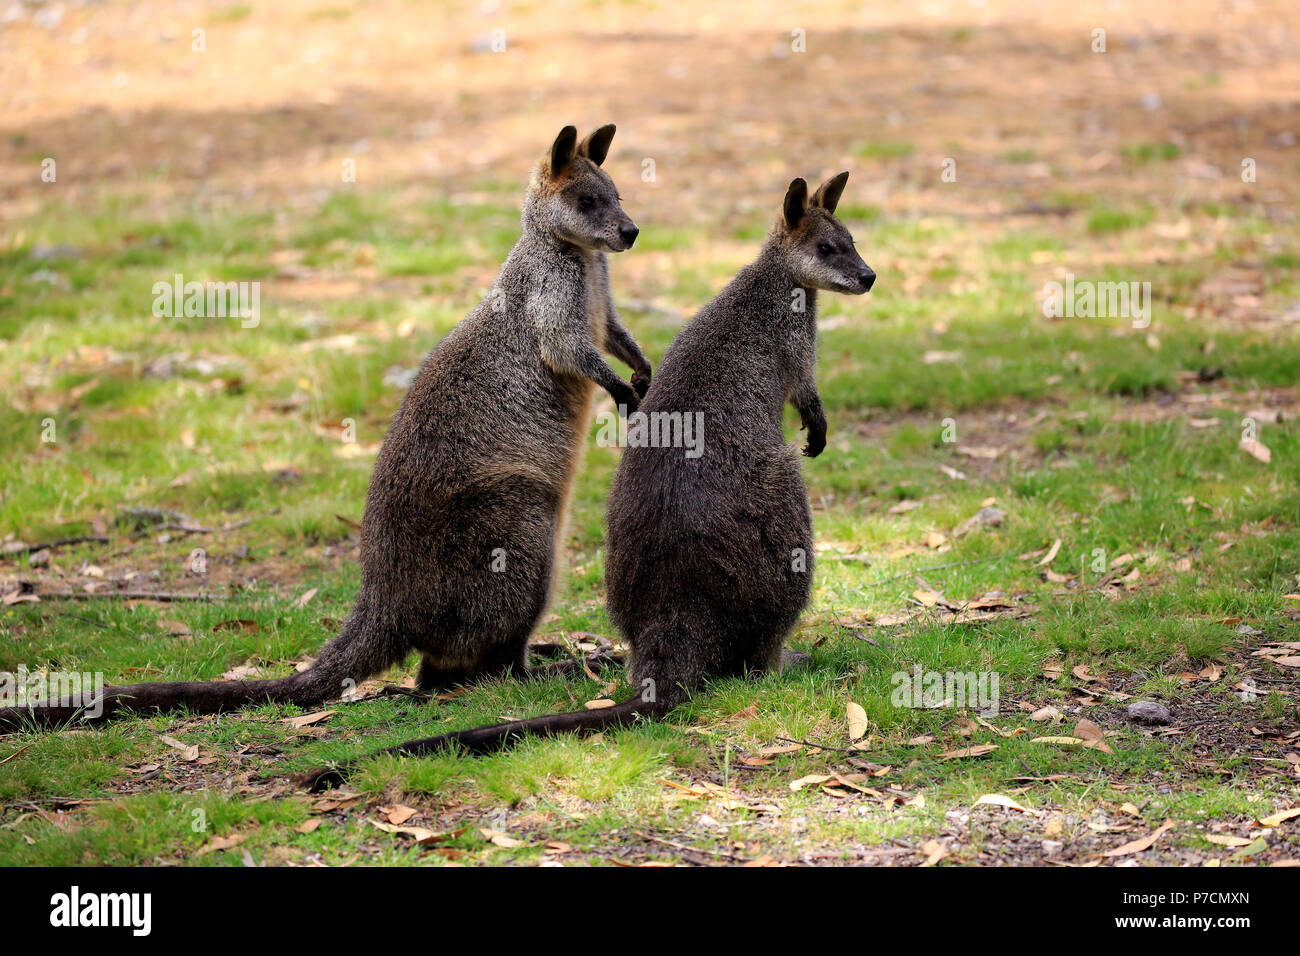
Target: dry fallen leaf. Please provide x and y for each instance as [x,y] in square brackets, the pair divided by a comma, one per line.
[857,721]
[979,750]
[398,814]
[306,720]
[1278,818]
[500,839]
[808,781]
[934,539]
[1257,449]
[221,843]
[189,752]
[1092,735]
[1146,842]
[1230,841]
[934,852]
[419,834]
[927,597]
[1001,800]
[1051,553]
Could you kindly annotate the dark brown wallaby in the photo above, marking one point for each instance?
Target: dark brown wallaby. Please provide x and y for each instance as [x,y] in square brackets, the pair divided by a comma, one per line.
[469,492]
[710,558]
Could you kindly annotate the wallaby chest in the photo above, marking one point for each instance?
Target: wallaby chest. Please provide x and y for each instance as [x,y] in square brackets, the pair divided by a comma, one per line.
[597,298]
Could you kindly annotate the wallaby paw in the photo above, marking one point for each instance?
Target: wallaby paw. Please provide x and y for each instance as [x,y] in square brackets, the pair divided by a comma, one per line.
[641,381]
[627,400]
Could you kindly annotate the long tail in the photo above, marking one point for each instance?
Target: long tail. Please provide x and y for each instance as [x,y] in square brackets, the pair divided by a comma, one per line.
[493,737]
[347,658]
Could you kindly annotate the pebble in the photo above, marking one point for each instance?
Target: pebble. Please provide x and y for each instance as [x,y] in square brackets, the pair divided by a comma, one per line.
[1149,712]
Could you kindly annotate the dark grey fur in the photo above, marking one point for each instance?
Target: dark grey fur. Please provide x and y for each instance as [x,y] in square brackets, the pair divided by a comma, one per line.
[710,559]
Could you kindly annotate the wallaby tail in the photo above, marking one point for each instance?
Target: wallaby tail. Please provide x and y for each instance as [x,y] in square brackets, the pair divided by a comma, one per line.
[349,657]
[493,737]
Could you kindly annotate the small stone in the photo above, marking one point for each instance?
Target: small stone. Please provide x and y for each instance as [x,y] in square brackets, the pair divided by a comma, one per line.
[1149,712]
[39,559]
[1052,847]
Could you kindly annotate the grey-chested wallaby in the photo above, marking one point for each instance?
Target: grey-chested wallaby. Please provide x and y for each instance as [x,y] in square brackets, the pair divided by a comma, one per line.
[468,496]
[710,559]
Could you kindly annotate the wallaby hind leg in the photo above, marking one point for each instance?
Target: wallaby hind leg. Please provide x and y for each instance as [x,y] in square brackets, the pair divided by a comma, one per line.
[433,676]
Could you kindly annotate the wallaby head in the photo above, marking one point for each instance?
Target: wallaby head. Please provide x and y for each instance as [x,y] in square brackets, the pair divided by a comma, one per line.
[818,248]
[572,198]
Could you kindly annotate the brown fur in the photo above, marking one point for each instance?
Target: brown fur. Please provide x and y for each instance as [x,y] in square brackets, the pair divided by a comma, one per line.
[467,498]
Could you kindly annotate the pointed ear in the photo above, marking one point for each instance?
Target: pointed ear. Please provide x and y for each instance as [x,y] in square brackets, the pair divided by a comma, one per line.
[562,150]
[796,202]
[828,194]
[596,146]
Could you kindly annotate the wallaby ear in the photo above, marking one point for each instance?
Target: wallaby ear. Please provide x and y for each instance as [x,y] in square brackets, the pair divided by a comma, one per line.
[796,202]
[828,193]
[596,146]
[562,150]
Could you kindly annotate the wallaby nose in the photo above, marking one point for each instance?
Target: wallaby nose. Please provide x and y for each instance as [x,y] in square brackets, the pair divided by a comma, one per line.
[629,233]
[867,279]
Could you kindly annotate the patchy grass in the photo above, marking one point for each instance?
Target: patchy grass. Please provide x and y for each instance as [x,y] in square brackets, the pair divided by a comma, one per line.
[1138,553]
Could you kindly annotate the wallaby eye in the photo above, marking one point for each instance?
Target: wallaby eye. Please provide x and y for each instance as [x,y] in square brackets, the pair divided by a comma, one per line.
[587,202]
[824,249]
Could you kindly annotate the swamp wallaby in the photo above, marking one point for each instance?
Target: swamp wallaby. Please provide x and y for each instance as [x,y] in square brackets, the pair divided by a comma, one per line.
[710,558]
[468,496]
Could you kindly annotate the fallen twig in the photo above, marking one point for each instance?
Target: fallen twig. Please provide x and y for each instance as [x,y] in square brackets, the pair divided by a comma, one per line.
[16,753]
[809,743]
[131,595]
[57,543]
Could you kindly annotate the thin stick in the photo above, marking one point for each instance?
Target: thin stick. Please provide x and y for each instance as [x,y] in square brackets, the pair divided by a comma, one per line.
[131,596]
[57,543]
[809,743]
[682,846]
[16,752]
[88,620]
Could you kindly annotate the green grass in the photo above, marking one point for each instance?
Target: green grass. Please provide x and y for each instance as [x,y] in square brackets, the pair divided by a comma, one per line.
[1096,448]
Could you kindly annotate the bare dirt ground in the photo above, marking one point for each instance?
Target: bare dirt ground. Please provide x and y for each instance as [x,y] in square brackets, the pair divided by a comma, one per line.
[280,95]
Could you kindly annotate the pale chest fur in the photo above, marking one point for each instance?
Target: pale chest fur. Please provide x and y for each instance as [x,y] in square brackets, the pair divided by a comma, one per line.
[597,278]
